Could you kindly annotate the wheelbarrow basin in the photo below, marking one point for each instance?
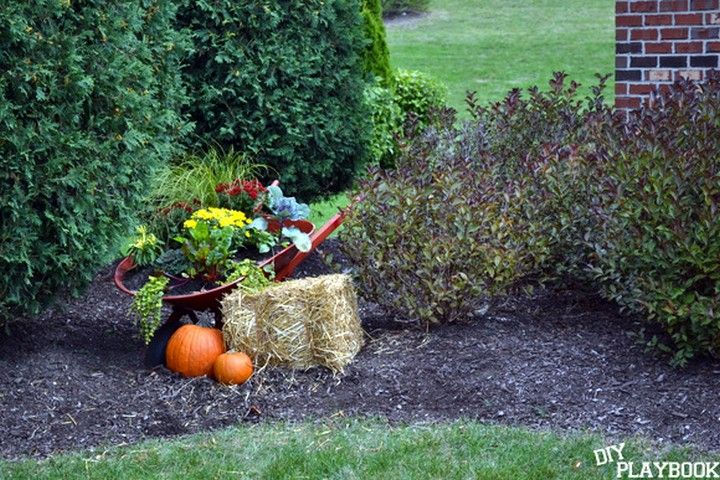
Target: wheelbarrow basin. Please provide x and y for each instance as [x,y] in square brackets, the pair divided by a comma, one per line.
[210,299]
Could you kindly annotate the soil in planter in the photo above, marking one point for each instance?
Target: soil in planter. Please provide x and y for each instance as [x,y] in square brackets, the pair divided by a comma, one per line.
[73,377]
[137,277]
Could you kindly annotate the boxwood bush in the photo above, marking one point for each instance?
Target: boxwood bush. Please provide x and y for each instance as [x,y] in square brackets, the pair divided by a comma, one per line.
[89,92]
[418,94]
[387,123]
[282,81]
[408,104]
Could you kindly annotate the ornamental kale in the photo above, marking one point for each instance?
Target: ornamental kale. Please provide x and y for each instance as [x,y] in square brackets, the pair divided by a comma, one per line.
[300,239]
[286,208]
[260,226]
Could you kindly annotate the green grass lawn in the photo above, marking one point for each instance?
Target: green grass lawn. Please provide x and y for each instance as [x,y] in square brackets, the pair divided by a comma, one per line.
[347,450]
[492,46]
[321,211]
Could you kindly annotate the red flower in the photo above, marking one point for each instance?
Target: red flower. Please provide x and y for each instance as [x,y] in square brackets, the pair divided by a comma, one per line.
[188,207]
[252,187]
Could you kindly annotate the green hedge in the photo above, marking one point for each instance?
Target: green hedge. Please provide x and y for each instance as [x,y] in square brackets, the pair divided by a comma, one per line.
[418,94]
[89,92]
[281,80]
[409,104]
[387,120]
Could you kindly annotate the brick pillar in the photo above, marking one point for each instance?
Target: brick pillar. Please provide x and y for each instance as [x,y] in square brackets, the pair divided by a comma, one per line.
[660,41]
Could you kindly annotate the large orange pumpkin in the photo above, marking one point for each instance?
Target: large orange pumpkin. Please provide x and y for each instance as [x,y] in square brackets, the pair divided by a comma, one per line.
[233,368]
[192,350]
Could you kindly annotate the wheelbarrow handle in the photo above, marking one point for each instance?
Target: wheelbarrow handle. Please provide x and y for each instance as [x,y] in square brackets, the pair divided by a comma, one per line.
[317,238]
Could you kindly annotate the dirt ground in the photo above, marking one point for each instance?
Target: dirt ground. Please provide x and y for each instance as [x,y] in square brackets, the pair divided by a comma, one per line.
[73,378]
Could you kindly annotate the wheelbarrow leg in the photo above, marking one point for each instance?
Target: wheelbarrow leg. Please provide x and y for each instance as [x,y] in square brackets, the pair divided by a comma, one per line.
[218,318]
[155,352]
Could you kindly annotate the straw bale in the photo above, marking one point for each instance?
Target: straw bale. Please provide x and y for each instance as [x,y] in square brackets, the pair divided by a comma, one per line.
[298,323]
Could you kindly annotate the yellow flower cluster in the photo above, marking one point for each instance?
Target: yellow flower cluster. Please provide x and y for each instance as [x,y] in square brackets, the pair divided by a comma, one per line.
[221,216]
[144,238]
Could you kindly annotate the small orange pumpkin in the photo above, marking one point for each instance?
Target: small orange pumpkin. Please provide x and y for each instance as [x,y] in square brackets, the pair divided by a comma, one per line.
[192,350]
[233,368]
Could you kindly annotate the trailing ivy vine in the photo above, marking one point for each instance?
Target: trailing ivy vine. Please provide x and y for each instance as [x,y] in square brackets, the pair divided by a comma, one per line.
[147,306]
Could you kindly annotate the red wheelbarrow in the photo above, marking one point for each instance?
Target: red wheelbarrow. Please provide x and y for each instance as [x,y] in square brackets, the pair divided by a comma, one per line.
[284,264]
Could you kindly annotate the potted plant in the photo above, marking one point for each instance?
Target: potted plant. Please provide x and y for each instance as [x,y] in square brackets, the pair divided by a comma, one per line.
[255,231]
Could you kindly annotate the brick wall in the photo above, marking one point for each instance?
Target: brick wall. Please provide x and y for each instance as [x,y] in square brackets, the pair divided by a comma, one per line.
[660,41]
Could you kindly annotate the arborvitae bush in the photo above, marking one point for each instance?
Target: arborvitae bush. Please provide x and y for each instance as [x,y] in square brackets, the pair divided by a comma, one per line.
[89,92]
[376,56]
[282,81]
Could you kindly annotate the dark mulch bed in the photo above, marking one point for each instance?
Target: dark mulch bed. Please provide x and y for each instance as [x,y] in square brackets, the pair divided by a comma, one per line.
[73,378]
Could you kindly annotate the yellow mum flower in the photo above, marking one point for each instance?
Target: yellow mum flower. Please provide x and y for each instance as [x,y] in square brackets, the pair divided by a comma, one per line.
[203,215]
[190,223]
[222,216]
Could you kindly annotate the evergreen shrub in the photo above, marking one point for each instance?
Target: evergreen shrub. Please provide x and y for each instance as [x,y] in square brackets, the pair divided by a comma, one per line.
[89,95]
[281,81]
